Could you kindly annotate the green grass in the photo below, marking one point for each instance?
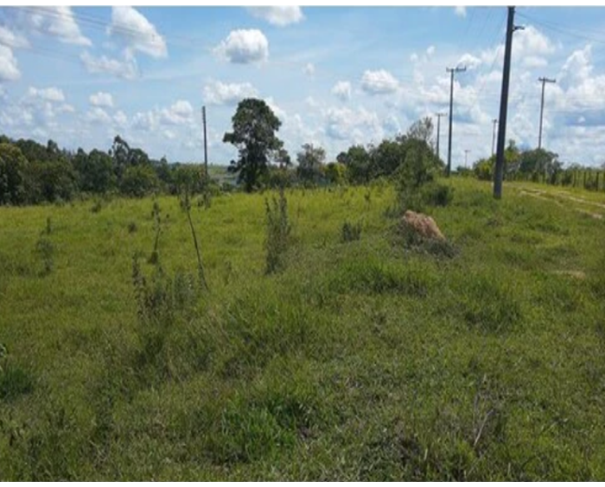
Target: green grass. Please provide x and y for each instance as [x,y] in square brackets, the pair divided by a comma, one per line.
[360,360]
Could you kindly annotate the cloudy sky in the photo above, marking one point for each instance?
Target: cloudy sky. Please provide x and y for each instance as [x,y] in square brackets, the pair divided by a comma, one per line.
[334,76]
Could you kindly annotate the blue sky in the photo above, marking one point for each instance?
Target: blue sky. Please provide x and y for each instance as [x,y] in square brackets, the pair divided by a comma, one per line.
[334,76]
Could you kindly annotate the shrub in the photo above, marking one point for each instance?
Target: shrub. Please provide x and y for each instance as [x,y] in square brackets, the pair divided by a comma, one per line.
[351,232]
[435,194]
[45,250]
[278,232]
[14,381]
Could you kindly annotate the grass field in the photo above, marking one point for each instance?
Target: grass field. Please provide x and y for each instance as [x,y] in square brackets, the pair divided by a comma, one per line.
[360,360]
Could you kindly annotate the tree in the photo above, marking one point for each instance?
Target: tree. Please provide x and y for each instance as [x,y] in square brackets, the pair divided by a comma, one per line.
[139,181]
[358,163]
[13,165]
[310,163]
[335,172]
[422,130]
[254,127]
[50,181]
[95,171]
[119,152]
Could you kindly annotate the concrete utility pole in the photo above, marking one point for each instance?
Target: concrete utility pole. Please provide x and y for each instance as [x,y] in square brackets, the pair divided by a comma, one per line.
[499,172]
[205,141]
[495,122]
[452,71]
[439,115]
[543,81]
[466,151]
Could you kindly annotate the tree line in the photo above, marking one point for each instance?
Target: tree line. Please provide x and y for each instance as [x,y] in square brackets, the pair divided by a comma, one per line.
[33,173]
[539,166]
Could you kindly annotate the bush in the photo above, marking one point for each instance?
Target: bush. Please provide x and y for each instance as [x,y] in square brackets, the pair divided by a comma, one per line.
[139,181]
[351,232]
[435,194]
[278,232]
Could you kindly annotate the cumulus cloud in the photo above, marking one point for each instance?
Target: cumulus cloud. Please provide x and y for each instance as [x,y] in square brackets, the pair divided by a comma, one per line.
[430,51]
[120,118]
[57,22]
[136,32]
[180,112]
[51,94]
[280,15]
[342,90]
[468,60]
[355,126]
[378,82]
[101,99]
[11,39]
[244,46]
[9,71]
[126,69]
[309,69]
[98,115]
[276,109]
[217,93]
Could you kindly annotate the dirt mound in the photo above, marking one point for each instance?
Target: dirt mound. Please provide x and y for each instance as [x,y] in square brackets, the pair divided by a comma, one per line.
[423,225]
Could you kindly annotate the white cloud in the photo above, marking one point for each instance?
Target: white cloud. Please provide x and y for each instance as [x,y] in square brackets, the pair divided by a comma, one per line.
[414,57]
[430,51]
[309,69]
[279,15]
[244,46]
[460,11]
[468,60]
[180,112]
[355,126]
[9,71]
[120,118]
[10,39]
[136,32]
[146,121]
[126,69]
[101,99]
[342,90]
[218,93]
[51,94]
[276,109]
[98,115]
[58,22]
[378,82]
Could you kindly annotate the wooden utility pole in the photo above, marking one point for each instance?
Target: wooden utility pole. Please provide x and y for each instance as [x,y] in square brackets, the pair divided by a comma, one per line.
[499,172]
[205,141]
[452,71]
[495,122]
[543,81]
[439,115]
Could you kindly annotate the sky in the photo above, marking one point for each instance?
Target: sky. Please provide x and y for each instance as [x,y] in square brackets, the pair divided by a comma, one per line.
[334,76]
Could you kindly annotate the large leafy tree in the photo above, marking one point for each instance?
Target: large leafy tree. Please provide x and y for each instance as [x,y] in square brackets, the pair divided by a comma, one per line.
[254,127]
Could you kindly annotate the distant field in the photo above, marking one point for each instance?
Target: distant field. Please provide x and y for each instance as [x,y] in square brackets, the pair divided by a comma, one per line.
[361,360]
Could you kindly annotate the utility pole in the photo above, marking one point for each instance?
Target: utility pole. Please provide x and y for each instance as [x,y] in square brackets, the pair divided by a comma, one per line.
[499,172]
[452,71]
[205,141]
[466,151]
[543,81]
[495,122]
[439,115]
